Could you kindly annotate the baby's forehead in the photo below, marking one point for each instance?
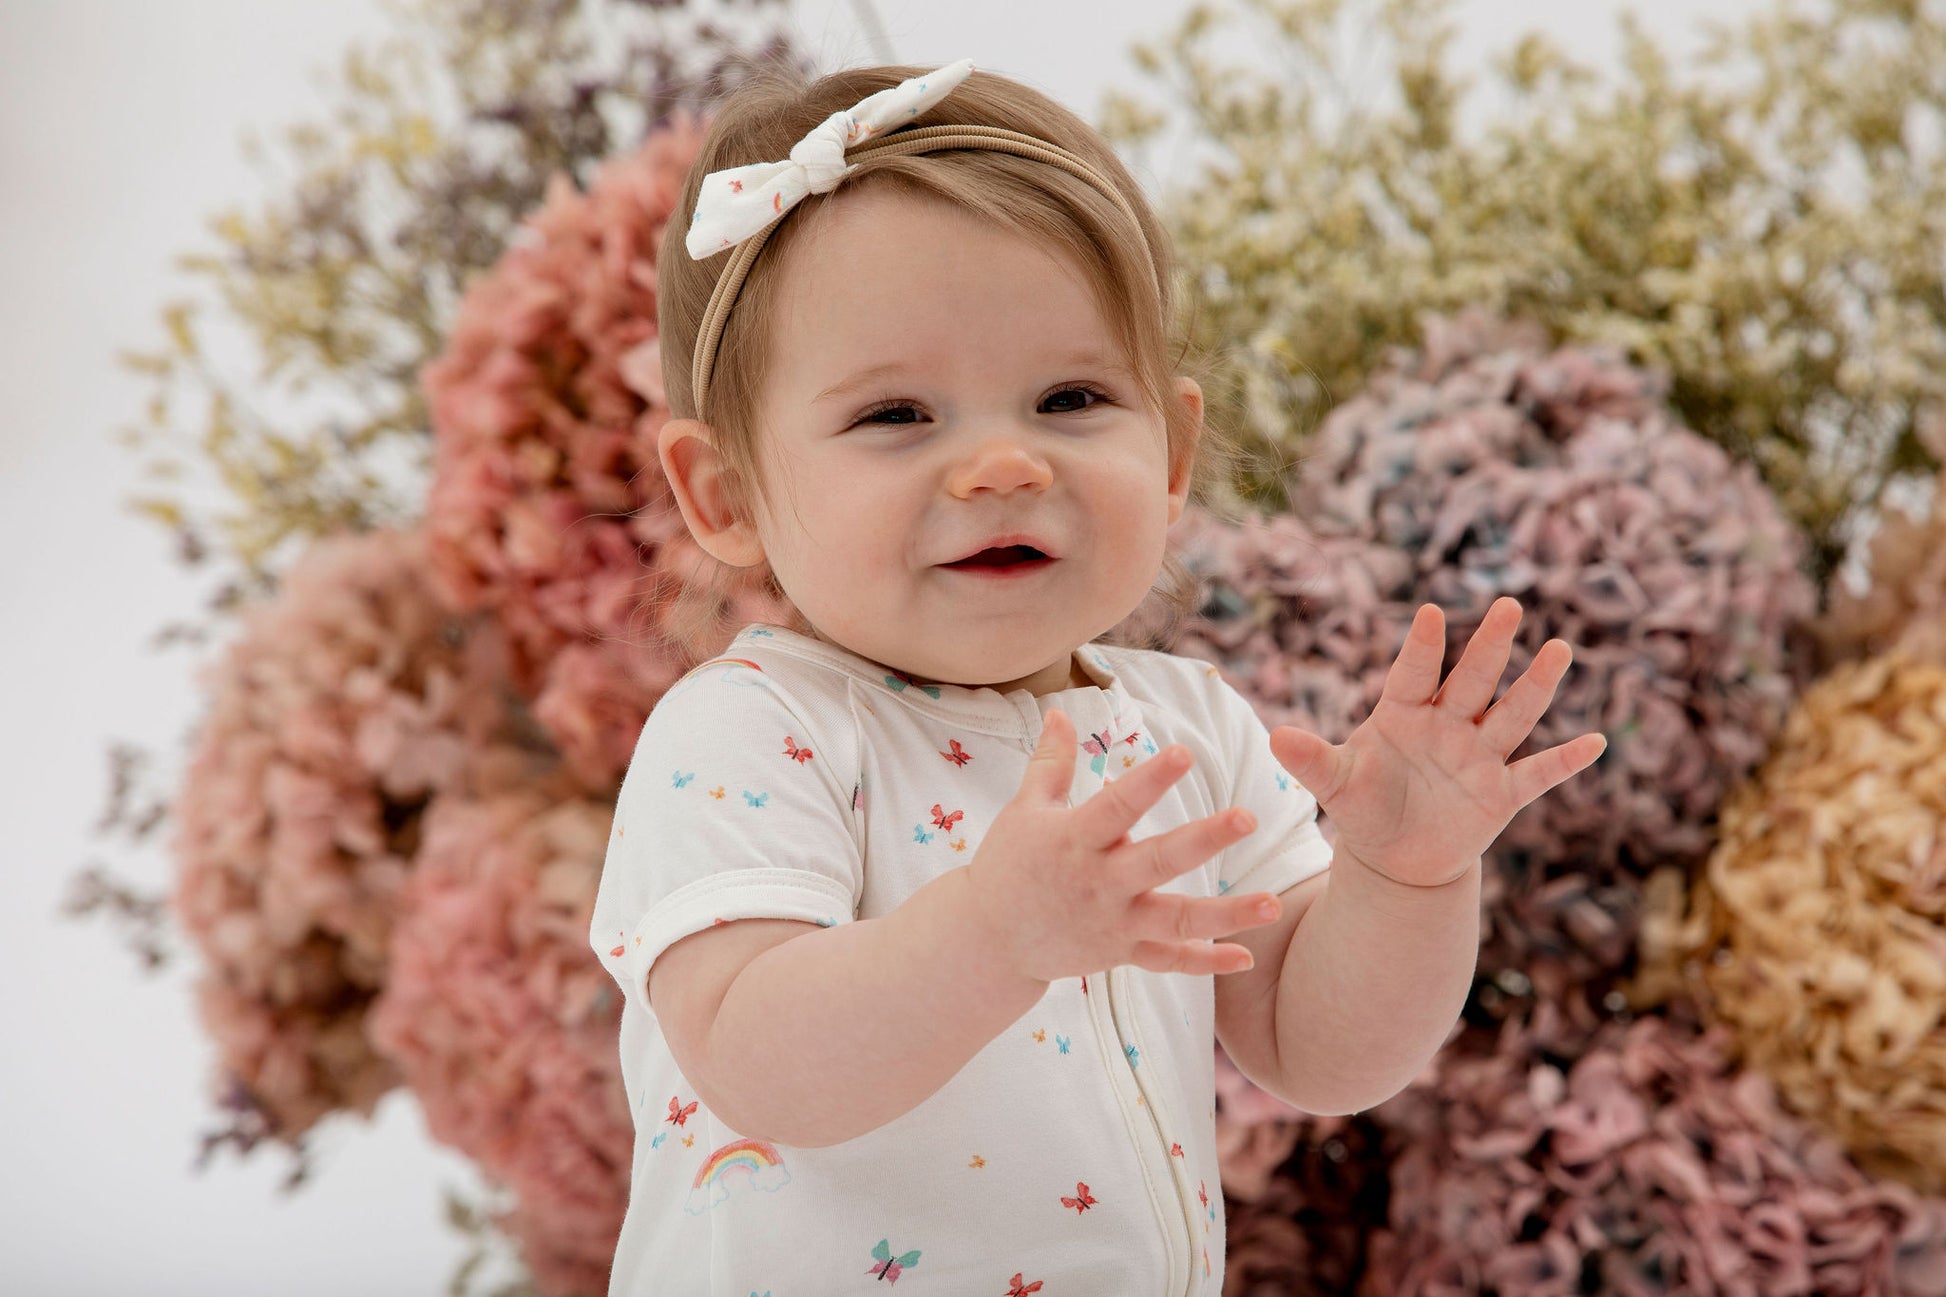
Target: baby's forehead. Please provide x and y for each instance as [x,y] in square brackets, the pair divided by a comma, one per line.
[849,301]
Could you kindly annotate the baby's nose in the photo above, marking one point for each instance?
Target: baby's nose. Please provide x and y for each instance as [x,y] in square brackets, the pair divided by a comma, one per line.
[1001,463]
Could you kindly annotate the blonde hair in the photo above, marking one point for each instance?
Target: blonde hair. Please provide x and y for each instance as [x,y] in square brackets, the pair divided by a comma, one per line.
[1055,209]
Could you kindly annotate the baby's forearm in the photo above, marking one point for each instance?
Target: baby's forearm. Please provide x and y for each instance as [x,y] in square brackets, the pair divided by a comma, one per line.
[1374,979]
[831,1035]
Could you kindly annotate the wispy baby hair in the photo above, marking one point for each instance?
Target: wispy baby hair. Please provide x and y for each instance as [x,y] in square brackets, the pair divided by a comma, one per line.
[1130,269]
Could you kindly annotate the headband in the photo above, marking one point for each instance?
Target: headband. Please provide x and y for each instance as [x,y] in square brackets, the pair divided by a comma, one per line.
[741,206]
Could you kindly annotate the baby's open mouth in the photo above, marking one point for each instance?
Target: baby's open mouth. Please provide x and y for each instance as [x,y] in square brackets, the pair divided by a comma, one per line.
[1006,556]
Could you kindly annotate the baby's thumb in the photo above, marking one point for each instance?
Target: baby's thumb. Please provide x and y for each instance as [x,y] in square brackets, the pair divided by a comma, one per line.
[1050,771]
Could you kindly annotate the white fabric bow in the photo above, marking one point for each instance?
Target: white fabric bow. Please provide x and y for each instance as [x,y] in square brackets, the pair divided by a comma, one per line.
[734,204]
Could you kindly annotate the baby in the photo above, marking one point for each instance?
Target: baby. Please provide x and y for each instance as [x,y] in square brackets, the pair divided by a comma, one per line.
[912,901]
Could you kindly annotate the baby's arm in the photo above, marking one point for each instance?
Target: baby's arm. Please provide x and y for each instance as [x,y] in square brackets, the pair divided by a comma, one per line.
[830,1033]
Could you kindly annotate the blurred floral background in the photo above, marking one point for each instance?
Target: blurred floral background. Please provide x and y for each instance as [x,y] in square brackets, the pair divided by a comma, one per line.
[1660,351]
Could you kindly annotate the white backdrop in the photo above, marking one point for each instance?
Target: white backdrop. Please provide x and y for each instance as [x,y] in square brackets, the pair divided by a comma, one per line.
[120,123]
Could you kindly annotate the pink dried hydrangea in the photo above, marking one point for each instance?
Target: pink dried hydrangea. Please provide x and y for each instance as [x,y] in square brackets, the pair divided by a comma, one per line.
[1647,1166]
[504,1026]
[348,704]
[548,506]
[1486,465]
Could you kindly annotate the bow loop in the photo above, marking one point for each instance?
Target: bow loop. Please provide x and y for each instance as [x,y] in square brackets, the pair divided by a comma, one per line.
[737,202]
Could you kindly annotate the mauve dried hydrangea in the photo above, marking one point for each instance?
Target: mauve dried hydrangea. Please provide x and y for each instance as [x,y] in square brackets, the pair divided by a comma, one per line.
[548,504]
[1646,1166]
[1306,1234]
[1817,932]
[505,1028]
[348,704]
[1485,465]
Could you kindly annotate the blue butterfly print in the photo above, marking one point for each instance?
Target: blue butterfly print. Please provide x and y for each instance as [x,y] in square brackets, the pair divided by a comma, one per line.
[1283,781]
[1222,887]
[919,833]
[677,779]
[1064,1042]
[756,800]
[1134,1055]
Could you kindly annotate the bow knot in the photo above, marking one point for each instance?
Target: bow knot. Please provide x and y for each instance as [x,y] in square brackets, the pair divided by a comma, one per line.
[820,155]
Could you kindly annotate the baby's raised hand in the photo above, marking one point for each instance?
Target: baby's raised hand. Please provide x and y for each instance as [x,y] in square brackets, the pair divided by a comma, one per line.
[1065,893]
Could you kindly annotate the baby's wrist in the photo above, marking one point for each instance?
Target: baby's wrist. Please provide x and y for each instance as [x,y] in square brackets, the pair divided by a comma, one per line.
[990,928]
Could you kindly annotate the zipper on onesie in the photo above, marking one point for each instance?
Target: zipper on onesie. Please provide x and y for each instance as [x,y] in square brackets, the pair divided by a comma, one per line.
[1120,1007]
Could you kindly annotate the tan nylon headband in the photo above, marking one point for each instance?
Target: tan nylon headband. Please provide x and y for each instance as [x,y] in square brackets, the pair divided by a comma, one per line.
[926,139]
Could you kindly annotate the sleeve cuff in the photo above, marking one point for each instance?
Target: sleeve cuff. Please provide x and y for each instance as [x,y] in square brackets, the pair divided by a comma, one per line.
[1311,854]
[730,894]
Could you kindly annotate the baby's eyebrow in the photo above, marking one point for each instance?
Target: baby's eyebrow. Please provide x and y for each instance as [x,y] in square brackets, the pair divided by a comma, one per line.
[845,386]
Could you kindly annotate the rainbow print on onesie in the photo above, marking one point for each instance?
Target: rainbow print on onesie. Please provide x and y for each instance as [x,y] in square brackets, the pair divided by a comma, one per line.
[748,1162]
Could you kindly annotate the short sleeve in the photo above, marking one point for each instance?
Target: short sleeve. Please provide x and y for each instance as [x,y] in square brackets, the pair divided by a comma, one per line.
[732,807]
[1287,846]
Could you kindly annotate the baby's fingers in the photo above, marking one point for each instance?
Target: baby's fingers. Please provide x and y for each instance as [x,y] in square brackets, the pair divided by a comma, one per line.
[1153,861]
[1165,916]
[1104,818]
[1191,957]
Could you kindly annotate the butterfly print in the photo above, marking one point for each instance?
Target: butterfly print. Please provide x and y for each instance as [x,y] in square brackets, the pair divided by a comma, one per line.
[943,820]
[680,780]
[889,1266]
[755,799]
[1082,1203]
[1175,1150]
[616,953]
[919,833]
[800,755]
[1018,1291]
[678,1113]
[899,681]
[959,756]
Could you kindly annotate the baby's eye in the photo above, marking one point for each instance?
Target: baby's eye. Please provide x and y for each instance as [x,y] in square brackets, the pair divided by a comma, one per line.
[1088,388]
[894,407]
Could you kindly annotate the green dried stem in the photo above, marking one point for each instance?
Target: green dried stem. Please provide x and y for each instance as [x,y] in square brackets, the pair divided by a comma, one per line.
[1768,225]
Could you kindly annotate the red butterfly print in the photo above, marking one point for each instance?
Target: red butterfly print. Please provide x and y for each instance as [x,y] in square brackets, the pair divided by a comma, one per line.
[679,1114]
[1175,1150]
[1132,736]
[1201,1193]
[736,186]
[792,750]
[943,820]
[959,756]
[1081,1204]
[1018,1291]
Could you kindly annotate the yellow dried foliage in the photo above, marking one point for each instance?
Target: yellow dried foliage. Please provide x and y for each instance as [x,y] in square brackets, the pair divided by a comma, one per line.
[1818,930]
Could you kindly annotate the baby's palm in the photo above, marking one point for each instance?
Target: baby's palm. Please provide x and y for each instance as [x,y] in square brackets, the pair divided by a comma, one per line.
[1422,787]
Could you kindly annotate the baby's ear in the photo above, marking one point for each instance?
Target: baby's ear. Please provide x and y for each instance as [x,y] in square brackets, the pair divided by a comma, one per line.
[698,477]
[1191,393]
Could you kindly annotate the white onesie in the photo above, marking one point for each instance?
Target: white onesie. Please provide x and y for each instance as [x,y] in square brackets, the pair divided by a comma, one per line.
[790,778]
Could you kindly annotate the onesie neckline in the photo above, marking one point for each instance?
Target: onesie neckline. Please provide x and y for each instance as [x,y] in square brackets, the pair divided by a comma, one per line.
[949,701]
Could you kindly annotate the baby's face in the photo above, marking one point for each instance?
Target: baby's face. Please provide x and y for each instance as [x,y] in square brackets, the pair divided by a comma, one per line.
[976,430]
